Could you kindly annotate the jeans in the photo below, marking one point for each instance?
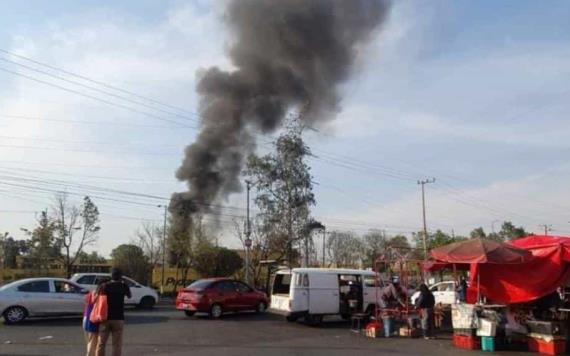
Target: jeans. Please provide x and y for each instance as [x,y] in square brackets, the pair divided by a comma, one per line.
[112,328]
[427,322]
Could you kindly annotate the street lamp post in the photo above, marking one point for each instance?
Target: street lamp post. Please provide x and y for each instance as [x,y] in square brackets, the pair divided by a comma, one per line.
[247,241]
[163,248]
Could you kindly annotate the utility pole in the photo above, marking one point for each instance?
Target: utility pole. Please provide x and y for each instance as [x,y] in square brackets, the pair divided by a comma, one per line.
[423,183]
[324,244]
[247,241]
[163,248]
[547,228]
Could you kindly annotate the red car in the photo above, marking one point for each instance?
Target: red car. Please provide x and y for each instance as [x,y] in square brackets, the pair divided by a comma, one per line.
[216,296]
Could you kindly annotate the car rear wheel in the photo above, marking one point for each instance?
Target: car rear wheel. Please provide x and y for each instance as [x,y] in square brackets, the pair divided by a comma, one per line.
[216,311]
[15,315]
[147,303]
[189,312]
[261,307]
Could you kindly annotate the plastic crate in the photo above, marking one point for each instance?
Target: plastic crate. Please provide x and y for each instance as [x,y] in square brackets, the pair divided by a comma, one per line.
[555,347]
[464,332]
[466,342]
[488,344]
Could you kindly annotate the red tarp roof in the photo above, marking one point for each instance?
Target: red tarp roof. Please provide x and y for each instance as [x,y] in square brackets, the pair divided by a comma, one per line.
[480,251]
[504,273]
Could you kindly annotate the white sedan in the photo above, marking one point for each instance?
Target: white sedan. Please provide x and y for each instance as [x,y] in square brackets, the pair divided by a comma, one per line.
[443,292]
[40,297]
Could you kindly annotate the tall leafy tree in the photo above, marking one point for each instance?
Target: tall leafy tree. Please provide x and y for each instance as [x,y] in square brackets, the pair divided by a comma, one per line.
[478,233]
[510,232]
[42,246]
[284,191]
[345,249]
[214,261]
[11,249]
[375,243]
[75,228]
[132,262]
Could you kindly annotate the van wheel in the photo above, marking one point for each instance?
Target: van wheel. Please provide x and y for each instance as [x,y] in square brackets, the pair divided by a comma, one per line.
[14,315]
[314,320]
[147,303]
[291,318]
[216,311]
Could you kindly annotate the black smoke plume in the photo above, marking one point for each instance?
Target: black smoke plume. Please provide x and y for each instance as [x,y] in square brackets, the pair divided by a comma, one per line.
[287,54]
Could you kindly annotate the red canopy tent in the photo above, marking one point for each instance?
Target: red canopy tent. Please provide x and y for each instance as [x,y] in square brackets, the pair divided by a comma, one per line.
[479,251]
[520,271]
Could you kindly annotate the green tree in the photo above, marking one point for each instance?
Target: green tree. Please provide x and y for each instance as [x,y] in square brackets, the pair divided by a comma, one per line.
[213,261]
[284,192]
[345,249]
[132,262]
[91,258]
[478,233]
[75,228]
[42,247]
[375,244]
[510,232]
[11,250]
[183,246]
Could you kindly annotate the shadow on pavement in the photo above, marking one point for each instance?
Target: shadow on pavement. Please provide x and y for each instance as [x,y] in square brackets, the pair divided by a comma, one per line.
[134,319]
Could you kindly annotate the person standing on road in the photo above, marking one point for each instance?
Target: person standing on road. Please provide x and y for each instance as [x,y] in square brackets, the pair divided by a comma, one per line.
[90,329]
[426,303]
[116,291]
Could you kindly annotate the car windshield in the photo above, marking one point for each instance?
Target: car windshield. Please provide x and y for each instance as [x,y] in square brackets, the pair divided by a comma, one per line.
[201,284]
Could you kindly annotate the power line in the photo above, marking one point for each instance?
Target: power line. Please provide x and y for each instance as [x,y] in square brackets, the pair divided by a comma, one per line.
[105,101]
[89,122]
[95,81]
[96,89]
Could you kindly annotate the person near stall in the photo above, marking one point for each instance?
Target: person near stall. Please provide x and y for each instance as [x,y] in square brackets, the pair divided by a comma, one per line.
[462,290]
[393,295]
[426,303]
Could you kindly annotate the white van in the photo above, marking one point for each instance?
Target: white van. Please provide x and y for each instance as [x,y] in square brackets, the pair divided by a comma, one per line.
[312,293]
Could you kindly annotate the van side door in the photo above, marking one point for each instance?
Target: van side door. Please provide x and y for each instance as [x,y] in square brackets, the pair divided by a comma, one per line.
[323,293]
[300,292]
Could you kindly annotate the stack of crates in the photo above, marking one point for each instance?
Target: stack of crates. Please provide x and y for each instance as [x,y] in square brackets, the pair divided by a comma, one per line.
[464,327]
[487,330]
[547,337]
[550,347]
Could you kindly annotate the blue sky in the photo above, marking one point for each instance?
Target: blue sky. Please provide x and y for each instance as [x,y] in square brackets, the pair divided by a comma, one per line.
[472,93]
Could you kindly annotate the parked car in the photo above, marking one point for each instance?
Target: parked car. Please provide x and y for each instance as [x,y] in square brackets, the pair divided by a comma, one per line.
[216,296]
[443,292]
[40,297]
[312,293]
[142,296]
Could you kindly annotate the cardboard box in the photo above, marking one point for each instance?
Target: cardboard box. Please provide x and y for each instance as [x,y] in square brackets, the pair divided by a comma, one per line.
[487,328]
[406,331]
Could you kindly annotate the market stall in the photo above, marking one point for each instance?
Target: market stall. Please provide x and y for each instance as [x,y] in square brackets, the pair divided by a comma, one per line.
[512,294]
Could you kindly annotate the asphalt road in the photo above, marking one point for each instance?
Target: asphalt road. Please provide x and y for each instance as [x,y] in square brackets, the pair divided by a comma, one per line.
[165,331]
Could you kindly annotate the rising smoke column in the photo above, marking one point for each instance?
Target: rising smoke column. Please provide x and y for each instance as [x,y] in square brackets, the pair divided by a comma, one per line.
[287,54]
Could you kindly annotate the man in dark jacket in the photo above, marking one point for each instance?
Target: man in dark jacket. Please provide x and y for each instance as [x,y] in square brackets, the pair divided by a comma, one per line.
[425,303]
[116,290]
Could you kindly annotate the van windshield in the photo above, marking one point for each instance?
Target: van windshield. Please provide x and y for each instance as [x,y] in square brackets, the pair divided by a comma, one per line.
[281,284]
